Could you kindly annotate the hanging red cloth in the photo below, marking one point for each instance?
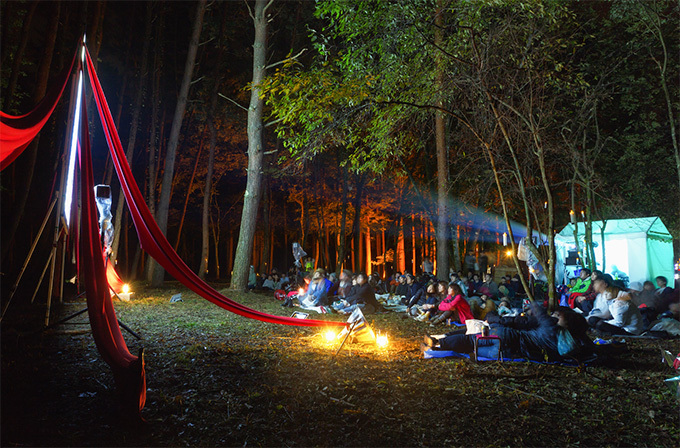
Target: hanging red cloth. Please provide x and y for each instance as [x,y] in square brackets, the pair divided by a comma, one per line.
[113,279]
[128,370]
[151,237]
[17,132]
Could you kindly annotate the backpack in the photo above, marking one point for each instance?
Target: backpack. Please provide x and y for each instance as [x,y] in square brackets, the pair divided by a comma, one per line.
[566,344]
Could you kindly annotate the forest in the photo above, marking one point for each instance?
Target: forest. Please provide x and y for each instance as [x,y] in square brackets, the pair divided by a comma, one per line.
[378,135]
[387,132]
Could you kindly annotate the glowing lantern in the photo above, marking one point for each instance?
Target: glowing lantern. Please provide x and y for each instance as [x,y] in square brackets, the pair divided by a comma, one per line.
[125,294]
[381,341]
[509,253]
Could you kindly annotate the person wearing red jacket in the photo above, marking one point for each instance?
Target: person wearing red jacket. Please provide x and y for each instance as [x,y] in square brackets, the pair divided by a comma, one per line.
[454,303]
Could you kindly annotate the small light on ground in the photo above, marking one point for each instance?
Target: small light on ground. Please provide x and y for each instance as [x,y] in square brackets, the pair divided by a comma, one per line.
[381,341]
[126,288]
[329,335]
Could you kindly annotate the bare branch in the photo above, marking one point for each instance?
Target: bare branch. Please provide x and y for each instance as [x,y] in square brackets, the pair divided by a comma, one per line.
[278,120]
[229,99]
[264,10]
[283,61]
[250,11]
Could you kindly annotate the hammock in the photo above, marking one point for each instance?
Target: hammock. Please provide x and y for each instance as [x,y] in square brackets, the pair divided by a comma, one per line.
[17,132]
[151,237]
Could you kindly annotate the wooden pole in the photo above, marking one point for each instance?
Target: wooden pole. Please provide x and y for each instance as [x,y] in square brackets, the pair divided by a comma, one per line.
[47,265]
[28,258]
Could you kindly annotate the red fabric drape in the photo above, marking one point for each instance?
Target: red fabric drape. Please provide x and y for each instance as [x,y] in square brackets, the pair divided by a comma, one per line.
[128,370]
[114,280]
[17,132]
[152,239]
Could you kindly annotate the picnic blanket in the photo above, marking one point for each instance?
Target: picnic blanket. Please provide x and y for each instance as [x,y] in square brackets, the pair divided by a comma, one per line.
[434,353]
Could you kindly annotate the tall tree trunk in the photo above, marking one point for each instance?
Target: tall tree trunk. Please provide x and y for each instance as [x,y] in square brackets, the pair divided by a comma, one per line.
[190,189]
[414,262]
[154,134]
[164,201]
[134,127]
[230,253]
[18,57]
[356,227]
[30,156]
[251,198]
[367,250]
[342,245]
[216,241]
[401,249]
[207,193]
[266,226]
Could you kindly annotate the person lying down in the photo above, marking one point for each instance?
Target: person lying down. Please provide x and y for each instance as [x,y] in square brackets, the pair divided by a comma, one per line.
[535,338]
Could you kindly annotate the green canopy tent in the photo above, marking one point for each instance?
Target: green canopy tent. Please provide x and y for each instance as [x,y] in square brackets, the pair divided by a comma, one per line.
[641,248]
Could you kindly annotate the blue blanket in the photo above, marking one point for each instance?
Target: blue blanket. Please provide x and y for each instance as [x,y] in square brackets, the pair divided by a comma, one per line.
[427,354]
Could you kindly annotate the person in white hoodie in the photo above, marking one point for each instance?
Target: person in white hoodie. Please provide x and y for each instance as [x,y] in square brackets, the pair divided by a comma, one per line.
[614,311]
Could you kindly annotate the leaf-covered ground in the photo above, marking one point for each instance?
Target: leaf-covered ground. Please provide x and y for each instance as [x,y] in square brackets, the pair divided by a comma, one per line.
[216,379]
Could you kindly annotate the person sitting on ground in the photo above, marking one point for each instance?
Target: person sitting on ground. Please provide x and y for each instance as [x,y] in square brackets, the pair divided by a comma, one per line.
[481,306]
[413,288]
[536,343]
[454,306]
[424,302]
[505,289]
[442,289]
[284,281]
[269,284]
[474,285]
[581,287]
[489,287]
[362,297]
[643,295]
[646,301]
[457,280]
[377,283]
[252,278]
[605,291]
[343,286]
[394,282]
[317,291]
[623,316]
[504,309]
[402,288]
[517,286]
[667,297]
[586,301]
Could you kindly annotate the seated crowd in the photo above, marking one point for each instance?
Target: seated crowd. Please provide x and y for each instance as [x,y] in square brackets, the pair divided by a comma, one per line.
[594,302]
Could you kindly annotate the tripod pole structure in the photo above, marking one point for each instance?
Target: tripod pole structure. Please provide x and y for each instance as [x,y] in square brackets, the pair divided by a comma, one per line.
[47,265]
[28,258]
[346,336]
